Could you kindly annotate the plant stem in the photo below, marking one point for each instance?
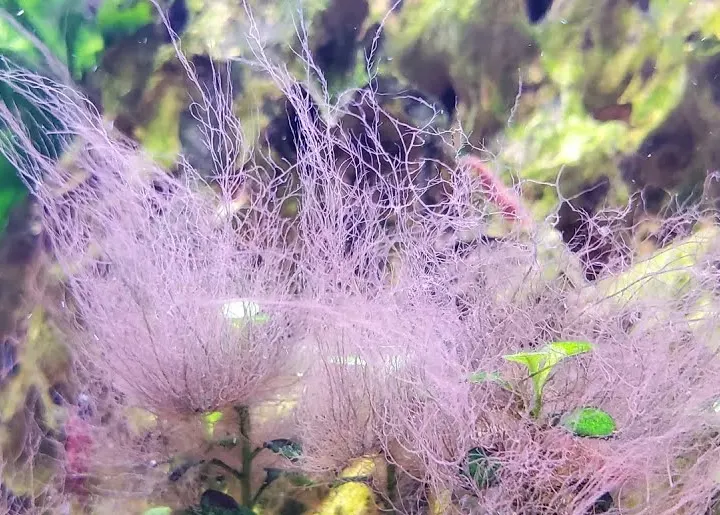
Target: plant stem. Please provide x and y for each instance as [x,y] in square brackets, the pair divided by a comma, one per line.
[247,455]
[257,451]
[219,463]
[537,405]
[259,493]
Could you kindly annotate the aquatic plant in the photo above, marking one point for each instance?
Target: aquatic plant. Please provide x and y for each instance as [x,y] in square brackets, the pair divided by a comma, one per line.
[245,292]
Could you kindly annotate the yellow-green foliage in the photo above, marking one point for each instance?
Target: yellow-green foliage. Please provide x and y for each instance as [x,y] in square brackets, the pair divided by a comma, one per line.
[161,135]
[563,134]
[44,362]
[588,55]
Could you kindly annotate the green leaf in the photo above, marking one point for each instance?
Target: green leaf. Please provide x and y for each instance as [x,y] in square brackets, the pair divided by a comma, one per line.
[558,351]
[541,363]
[285,447]
[480,467]
[532,360]
[589,423]
[569,348]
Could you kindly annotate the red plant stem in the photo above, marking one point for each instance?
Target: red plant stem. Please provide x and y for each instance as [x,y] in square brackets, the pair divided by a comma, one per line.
[509,203]
[77,451]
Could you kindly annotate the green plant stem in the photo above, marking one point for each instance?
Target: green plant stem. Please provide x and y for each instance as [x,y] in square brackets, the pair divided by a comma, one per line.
[247,456]
[257,451]
[537,405]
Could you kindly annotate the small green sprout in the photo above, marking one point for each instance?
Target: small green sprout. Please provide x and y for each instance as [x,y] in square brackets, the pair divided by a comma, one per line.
[541,363]
[211,419]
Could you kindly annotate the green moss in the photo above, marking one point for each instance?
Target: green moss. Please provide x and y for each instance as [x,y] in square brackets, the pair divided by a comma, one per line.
[586,53]
[589,423]
[161,135]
